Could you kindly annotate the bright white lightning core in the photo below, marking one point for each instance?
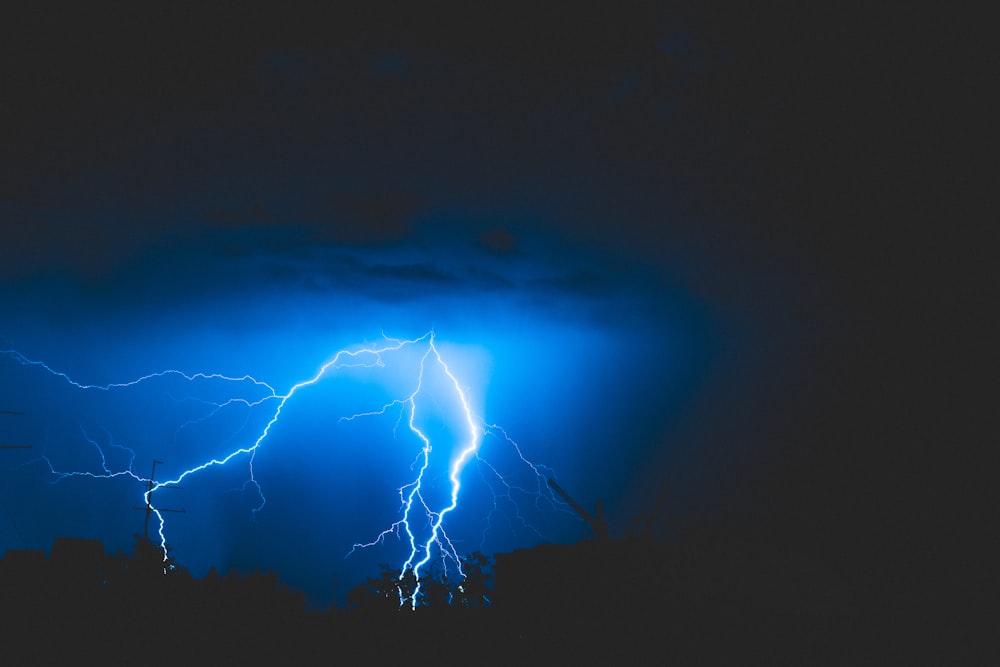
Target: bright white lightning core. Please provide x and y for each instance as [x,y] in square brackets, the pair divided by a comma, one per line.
[444,452]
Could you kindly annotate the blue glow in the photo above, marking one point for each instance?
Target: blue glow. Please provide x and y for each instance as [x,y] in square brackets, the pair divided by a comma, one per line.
[426,404]
[296,443]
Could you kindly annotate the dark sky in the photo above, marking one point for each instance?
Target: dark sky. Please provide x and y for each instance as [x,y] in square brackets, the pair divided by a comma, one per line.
[689,244]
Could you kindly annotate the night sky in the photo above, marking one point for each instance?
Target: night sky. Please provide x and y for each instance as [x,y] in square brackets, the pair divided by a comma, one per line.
[656,246]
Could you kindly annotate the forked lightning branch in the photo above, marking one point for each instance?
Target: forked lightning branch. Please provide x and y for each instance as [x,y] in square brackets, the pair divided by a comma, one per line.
[423,517]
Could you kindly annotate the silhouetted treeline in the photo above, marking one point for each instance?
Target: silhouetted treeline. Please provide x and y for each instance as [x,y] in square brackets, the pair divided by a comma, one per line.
[626,601]
[395,590]
[81,599]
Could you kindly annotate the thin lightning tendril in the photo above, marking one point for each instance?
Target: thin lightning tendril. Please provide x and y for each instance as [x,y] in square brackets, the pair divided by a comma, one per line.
[414,506]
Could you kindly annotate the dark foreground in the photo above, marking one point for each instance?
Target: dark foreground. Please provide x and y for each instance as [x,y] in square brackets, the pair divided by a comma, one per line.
[590,603]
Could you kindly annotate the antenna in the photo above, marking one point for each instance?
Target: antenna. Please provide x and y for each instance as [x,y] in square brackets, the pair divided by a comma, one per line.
[596,523]
[148,509]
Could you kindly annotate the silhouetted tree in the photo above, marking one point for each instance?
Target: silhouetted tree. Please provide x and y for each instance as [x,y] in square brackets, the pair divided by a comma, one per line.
[385,593]
[474,590]
[434,594]
[392,591]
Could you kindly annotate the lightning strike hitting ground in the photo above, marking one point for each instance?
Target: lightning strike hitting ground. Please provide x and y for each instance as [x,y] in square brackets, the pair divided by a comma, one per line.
[423,512]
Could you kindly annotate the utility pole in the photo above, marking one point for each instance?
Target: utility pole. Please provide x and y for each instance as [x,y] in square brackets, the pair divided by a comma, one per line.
[148,509]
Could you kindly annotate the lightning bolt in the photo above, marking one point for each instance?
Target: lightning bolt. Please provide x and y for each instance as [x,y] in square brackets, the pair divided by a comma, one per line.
[424,512]
[105,473]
